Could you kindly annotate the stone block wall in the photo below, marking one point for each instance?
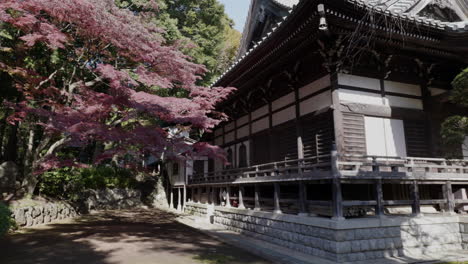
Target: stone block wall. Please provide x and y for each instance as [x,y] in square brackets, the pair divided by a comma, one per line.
[110,199]
[199,210]
[464,232]
[342,241]
[42,214]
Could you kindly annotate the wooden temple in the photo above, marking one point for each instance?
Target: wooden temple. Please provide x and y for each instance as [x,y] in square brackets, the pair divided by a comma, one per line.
[338,112]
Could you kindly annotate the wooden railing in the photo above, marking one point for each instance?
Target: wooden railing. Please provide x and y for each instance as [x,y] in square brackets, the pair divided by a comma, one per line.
[287,168]
[350,165]
[346,165]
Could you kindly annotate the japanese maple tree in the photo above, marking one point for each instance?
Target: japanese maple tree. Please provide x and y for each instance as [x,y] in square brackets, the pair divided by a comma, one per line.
[91,72]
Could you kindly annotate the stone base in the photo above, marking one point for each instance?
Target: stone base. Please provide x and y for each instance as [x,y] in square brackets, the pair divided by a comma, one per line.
[362,239]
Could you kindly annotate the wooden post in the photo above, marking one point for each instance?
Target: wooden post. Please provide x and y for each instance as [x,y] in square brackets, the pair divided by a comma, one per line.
[302,198]
[450,207]
[337,196]
[379,208]
[179,201]
[228,196]
[199,194]
[185,198]
[257,198]
[171,198]
[212,196]
[276,199]
[416,206]
[241,197]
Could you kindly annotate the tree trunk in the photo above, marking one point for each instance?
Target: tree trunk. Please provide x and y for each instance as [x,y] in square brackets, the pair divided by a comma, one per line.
[2,134]
[29,180]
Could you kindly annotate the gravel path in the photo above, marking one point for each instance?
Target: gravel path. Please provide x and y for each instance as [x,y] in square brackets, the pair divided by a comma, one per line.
[119,237]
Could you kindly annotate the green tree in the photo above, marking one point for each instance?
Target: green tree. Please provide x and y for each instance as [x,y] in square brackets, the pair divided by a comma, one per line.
[455,128]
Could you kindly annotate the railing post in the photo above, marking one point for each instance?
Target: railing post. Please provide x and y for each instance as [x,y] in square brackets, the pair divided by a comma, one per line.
[375,167]
[257,198]
[416,206]
[448,193]
[379,208]
[241,197]
[276,198]
[302,199]
[337,196]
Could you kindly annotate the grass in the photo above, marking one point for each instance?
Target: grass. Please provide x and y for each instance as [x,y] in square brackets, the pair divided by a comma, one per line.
[213,259]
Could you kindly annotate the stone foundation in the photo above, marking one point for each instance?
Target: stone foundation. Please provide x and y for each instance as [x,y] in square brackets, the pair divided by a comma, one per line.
[343,241]
[42,214]
[110,199]
[464,231]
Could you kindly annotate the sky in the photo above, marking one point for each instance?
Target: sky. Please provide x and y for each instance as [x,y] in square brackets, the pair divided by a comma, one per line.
[237,10]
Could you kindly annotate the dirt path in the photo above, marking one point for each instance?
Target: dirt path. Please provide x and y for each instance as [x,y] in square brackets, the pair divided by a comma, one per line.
[120,237]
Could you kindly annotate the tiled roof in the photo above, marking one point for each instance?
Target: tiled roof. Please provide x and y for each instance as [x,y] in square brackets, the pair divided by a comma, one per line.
[286,3]
[402,9]
[399,5]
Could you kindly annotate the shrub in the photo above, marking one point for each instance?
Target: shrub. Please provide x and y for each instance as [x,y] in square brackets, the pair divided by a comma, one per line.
[5,219]
[68,183]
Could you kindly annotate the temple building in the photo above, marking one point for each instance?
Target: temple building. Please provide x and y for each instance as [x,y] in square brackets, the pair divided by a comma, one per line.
[333,141]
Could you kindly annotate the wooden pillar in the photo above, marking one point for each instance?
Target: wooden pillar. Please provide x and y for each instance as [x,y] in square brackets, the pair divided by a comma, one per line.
[276,198]
[185,198]
[416,206]
[212,196]
[257,198]
[179,200]
[199,194]
[171,198]
[448,193]
[241,197]
[302,198]
[337,114]
[337,196]
[299,130]
[379,208]
[228,196]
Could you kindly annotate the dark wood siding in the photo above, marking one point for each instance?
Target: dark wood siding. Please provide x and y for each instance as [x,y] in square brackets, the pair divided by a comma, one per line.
[318,134]
[416,138]
[284,142]
[354,134]
[260,148]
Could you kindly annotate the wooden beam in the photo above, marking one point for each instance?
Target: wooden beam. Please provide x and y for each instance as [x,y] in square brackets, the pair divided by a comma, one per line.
[276,198]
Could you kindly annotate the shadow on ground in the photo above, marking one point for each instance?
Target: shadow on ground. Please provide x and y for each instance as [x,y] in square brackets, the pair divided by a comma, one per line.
[120,237]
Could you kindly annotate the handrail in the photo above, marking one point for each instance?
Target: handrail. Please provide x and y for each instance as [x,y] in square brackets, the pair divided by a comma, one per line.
[265,168]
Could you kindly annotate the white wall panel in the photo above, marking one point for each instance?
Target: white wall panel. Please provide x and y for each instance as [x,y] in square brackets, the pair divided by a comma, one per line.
[243,132]
[284,115]
[315,103]
[260,112]
[385,137]
[260,125]
[282,101]
[315,86]
[360,97]
[359,81]
[218,141]
[229,126]
[243,120]
[218,131]
[229,137]
[403,88]
[397,101]
[436,91]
